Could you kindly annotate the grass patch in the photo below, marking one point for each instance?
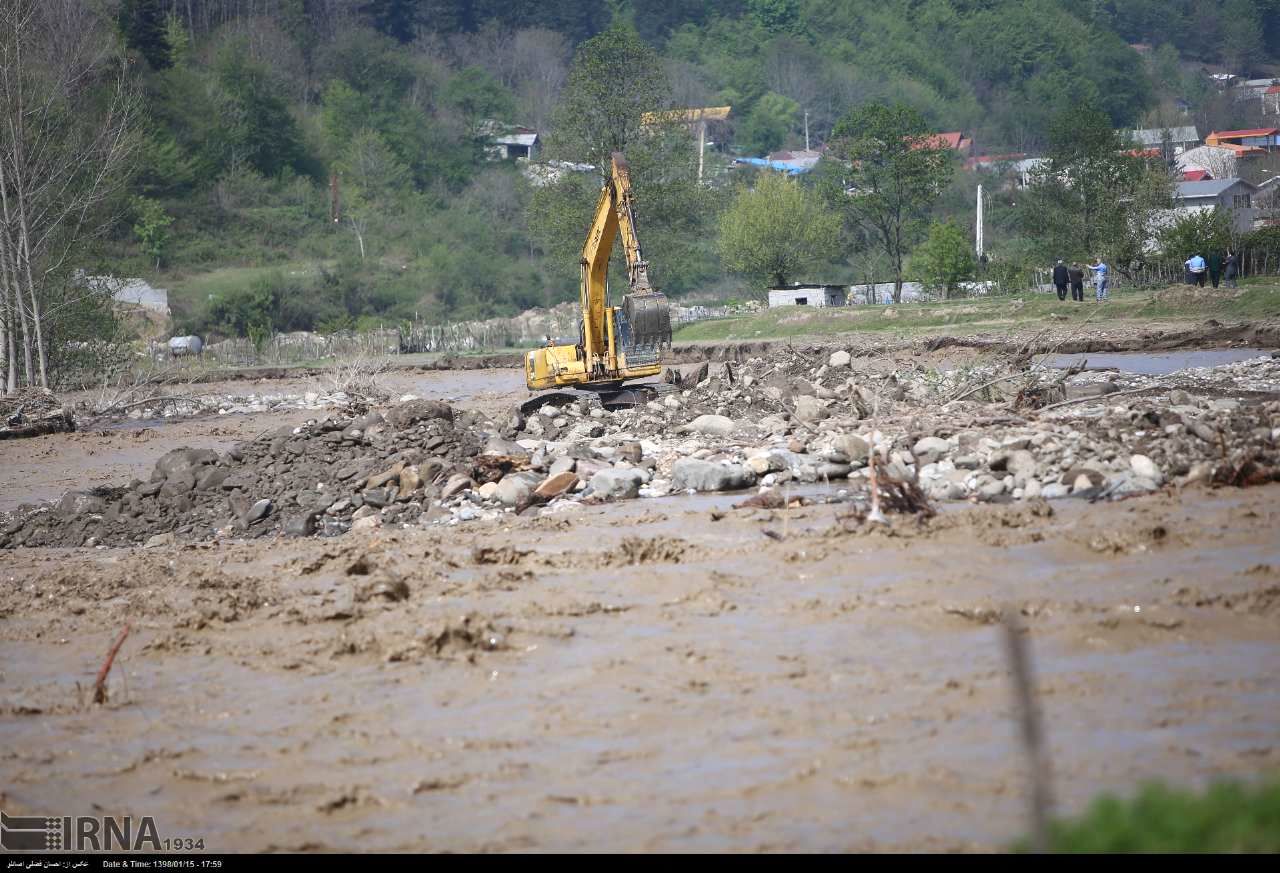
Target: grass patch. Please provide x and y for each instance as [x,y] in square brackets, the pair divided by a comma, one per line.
[191,294]
[1254,300]
[1229,817]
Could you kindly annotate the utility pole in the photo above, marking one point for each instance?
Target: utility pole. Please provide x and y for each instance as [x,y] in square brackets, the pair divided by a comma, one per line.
[979,241]
[702,145]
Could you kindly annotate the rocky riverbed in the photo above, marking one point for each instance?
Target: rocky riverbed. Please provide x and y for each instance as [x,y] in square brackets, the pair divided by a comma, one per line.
[990,432]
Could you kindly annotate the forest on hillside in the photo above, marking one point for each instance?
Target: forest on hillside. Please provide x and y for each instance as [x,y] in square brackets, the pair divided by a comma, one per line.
[256,123]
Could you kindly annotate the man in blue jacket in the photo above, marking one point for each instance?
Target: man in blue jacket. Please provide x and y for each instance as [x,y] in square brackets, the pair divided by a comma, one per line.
[1100,270]
[1195,268]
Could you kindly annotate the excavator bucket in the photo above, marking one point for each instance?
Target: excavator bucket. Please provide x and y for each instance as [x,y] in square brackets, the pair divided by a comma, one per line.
[649,318]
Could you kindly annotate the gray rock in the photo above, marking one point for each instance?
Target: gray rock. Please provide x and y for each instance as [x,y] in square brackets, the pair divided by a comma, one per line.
[258,511]
[513,491]
[181,461]
[413,411]
[456,483]
[160,539]
[839,359]
[1146,468]
[930,449]
[301,525]
[1090,389]
[617,483]
[1054,491]
[707,476]
[78,503]
[854,447]
[1022,462]
[712,425]
[828,470]
[562,464]
[1178,397]
[499,446]
[810,409]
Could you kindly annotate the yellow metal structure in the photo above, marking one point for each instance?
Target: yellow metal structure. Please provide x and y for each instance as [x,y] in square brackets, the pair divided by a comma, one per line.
[615,343]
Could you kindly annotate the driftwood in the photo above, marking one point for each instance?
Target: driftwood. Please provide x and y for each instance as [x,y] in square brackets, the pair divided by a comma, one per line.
[61,421]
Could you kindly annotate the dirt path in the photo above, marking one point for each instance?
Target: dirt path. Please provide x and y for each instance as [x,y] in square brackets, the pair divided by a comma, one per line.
[644,676]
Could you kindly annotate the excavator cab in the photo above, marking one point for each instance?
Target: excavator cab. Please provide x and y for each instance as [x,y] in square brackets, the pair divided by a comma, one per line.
[616,344]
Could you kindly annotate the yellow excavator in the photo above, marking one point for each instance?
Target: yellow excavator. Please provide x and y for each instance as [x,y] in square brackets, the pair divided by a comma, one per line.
[616,344]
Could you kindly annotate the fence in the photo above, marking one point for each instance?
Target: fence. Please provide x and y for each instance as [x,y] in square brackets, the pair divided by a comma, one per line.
[295,348]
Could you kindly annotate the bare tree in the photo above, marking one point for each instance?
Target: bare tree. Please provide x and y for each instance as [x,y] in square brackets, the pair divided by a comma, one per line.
[540,59]
[67,117]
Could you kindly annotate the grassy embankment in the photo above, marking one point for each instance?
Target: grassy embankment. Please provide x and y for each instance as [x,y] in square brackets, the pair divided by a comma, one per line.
[1259,299]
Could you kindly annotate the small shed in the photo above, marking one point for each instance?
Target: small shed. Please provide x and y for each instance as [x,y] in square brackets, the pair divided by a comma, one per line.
[809,295]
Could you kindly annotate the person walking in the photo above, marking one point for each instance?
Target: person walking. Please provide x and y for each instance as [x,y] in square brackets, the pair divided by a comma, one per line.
[1060,279]
[1100,270]
[1195,269]
[1215,267]
[1076,275]
[1231,269]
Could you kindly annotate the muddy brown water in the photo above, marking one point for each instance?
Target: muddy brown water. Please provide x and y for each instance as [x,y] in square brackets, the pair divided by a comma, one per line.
[717,690]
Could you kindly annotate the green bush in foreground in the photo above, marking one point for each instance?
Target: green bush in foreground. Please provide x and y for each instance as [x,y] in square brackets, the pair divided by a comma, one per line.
[1229,817]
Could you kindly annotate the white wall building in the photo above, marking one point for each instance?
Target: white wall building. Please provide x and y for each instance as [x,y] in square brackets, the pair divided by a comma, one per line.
[809,295]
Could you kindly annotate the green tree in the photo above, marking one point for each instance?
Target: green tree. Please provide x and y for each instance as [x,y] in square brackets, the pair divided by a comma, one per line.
[142,22]
[257,126]
[779,228]
[887,171]
[1094,195]
[1242,32]
[477,97]
[375,182]
[177,39]
[151,226]
[945,259]
[768,124]
[1206,231]
[615,79]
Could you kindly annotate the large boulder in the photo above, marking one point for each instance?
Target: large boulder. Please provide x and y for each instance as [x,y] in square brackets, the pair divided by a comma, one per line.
[183,461]
[413,411]
[707,476]
[712,425]
[810,408]
[853,446]
[514,490]
[617,483]
[929,449]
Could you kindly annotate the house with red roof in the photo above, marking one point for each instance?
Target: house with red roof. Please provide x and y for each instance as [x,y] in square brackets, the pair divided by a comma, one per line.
[954,140]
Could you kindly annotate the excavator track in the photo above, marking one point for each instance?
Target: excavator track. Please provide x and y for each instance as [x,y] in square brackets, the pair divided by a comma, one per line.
[612,399]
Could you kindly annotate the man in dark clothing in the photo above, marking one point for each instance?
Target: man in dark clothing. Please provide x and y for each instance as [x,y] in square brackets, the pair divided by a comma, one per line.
[1060,280]
[1231,269]
[1076,276]
[1215,267]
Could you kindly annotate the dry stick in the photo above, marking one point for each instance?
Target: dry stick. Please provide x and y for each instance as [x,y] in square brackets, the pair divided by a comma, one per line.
[1026,347]
[1018,653]
[1100,397]
[100,684]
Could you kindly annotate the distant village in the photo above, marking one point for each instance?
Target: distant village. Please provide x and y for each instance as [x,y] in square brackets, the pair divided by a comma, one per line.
[1229,169]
